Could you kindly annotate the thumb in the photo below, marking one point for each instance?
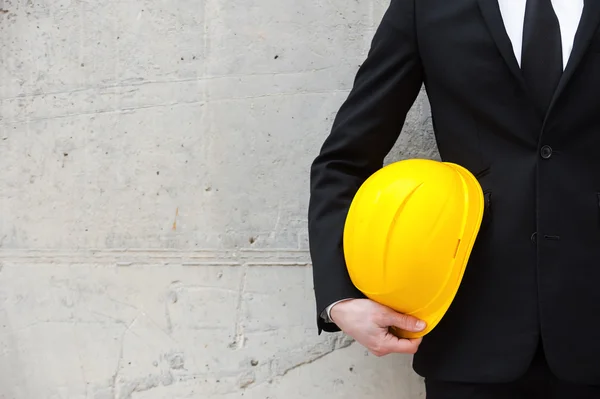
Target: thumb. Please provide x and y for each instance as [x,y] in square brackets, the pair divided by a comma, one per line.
[404,322]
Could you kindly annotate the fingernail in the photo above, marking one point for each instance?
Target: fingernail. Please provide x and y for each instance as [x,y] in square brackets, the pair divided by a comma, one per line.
[420,325]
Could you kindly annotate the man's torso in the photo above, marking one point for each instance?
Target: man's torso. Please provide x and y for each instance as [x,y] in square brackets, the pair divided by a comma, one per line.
[535,269]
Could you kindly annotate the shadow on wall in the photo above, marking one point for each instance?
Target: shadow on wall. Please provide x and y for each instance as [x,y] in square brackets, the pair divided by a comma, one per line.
[416,139]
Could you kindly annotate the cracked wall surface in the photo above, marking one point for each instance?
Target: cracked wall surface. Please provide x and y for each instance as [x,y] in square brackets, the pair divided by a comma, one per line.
[153,198]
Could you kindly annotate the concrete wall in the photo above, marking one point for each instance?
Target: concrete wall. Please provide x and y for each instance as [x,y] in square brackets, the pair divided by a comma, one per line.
[154,163]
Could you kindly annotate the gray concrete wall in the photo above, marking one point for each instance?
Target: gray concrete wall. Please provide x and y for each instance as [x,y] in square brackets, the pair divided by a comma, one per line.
[154,163]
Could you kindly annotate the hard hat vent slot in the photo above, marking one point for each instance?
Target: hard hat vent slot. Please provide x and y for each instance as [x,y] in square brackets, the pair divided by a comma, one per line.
[456,250]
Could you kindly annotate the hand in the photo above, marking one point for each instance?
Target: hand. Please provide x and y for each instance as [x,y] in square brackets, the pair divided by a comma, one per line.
[369,323]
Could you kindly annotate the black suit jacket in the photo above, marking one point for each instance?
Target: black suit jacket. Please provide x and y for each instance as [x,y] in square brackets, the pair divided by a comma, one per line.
[534,273]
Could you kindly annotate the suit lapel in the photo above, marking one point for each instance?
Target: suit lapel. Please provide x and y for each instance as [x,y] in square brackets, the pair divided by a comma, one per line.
[493,18]
[585,32]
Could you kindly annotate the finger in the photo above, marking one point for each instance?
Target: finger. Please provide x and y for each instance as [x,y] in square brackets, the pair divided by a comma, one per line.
[393,344]
[403,322]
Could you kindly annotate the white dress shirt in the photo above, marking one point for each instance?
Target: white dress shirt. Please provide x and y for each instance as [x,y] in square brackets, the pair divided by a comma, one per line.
[568,13]
[513,14]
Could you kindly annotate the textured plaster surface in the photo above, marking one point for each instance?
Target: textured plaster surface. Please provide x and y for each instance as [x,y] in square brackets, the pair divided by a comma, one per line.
[154,164]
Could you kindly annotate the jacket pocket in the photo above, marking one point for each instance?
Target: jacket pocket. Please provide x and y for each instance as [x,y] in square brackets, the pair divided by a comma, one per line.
[482,173]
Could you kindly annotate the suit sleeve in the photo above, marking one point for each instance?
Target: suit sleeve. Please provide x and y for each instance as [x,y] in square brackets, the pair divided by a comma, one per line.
[365,129]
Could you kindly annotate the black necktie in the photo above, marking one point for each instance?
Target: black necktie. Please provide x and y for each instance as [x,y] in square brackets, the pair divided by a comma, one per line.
[541,59]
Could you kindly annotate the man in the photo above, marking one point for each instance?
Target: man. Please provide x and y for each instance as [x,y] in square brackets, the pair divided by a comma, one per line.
[514,87]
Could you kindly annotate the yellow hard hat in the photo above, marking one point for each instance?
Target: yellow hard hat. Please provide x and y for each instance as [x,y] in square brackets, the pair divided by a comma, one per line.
[408,235]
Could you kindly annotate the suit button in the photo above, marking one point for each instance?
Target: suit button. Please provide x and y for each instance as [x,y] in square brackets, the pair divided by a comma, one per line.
[546,152]
[534,237]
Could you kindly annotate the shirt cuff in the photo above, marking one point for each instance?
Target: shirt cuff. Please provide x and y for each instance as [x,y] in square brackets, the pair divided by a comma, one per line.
[326,315]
